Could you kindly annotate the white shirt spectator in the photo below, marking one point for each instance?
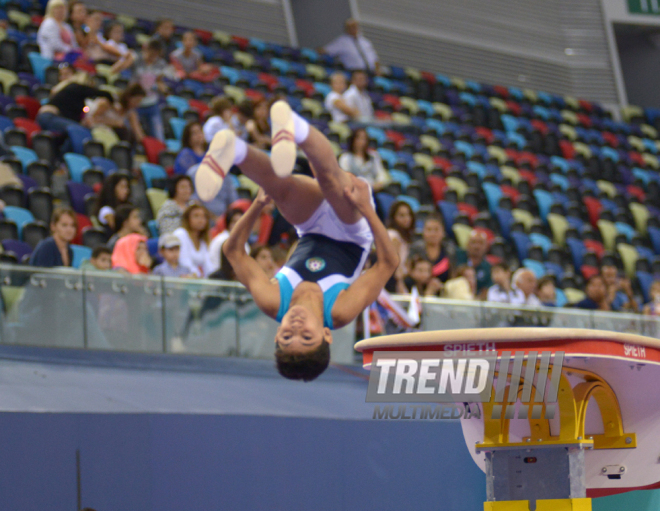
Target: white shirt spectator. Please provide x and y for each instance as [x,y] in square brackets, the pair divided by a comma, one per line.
[353,52]
[371,170]
[337,114]
[54,39]
[197,260]
[361,102]
[212,126]
[216,246]
[499,295]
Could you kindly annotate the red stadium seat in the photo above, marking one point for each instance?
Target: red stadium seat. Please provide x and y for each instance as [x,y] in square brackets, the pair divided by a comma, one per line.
[610,139]
[30,127]
[31,105]
[567,149]
[501,91]
[437,186]
[588,271]
[595,246]
[468,209]
[200,106]
[83,223]
[594,208]
[635,191]
[152,148]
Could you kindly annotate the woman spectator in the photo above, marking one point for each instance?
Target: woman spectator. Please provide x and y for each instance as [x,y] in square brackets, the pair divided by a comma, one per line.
[128,220]
[78,20]
[170,213]
[193,147]
[401,227]
[434,247]
[194,237]
[55,36]
[67,103]
[258,127]
[115,192]
[122,116]
[264,258]
[108,48]
[132,255]
[363,162]
[220,119]
[232,216]
[56,249]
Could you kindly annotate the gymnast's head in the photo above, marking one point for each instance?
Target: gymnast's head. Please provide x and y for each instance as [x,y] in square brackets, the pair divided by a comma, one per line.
[302,345]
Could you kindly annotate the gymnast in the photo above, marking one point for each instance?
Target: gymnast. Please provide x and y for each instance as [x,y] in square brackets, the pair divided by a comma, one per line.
[322,286]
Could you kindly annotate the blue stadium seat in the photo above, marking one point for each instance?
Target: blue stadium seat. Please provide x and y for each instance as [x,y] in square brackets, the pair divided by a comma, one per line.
[384,202]
[521,243]
[400,177]
[560,300]
[626,229]
[411,201]
[39,65]
[542,240]
[25,155]
[654,234]
[151,171]
[78,136]
[77,165]
[535,266]
[21,216]
[177,125]
[449,211]
[181,104]
[645,281]
[544,200]
[153,229]
[106,165]
[493,196]
[80,254]
[554,269]
[577,250]
[505,220]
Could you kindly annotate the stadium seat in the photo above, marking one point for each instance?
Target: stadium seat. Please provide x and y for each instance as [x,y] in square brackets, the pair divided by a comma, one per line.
[640,214]
[558,226]
[574,296]
[461,234]
[629,257]
[177,124]
[77,165]
[105,164]
[40,204]
[20,216]
[77,193]
[151,172]
[93,237]
[505,220]
[608,232]
[542,240]
[19,248]
[156,199]
[80,254]
[521,243]
[153,228]
[78,135]
[537,267]
[24,155]
[493,196]
[152,148]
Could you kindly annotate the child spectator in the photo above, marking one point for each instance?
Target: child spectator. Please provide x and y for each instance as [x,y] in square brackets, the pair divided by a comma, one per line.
[193,147]
[131,255]
[221,118]
[101,260]
[501,291]
[188,60]
[596,292]
[420,276]
[546,291]
[363,162]
[128,220]
[170,213]
[463,285]
[169,248]
[150,71]
[194,237]
[55,36]
[334,101]
[56,249]
[115,192]
[435,247]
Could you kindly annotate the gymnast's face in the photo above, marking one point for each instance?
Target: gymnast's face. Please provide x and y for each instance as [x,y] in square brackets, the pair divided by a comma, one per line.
[301,331]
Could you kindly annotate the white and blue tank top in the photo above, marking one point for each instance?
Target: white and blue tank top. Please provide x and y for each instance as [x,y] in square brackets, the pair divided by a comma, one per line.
[332,264]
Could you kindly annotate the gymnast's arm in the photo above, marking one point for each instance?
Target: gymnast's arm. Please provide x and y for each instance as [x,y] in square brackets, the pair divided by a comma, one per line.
[364,291]
[266,294]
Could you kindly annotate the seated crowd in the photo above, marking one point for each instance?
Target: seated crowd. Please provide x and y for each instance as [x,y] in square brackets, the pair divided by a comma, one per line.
[189,234]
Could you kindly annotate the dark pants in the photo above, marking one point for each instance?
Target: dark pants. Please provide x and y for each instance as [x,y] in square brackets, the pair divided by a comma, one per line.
[57,125]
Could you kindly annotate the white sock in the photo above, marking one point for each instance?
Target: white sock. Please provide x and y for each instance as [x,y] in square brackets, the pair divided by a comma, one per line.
[240,151]
[300,128]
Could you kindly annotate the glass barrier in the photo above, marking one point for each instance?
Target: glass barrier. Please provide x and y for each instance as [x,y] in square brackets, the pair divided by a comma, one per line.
[113,311]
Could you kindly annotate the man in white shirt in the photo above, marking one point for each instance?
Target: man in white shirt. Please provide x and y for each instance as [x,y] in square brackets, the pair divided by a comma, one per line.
[354,50]
[356,97]
[524,281]
[334,101]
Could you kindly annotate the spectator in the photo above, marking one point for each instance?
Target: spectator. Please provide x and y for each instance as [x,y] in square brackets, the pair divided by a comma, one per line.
[56,249]
[546,291]
[101,260]
[164,34]
[363,162]
[67,103]
[220,119]
[150,71]
[77,20]
[221,202]
[194,237]
[193,147]
[264,257]
[55,36]
[215,248]
[356,97]
[169,248]
[115,192]
[401,227]
[258,127]
[334,101]
[420,276]
[121,117]
[653,307]
[463,285]
[475,256]
[114,50]
[597,298]
[170,213]
[354,50]
[435,247]
[189,62]
[128,220]
[619,289]
[131,254]
[241,121]
[501,291]
[524,282]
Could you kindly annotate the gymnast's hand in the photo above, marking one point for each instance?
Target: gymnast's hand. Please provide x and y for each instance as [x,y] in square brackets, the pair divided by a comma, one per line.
[262,199]
[359,194]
